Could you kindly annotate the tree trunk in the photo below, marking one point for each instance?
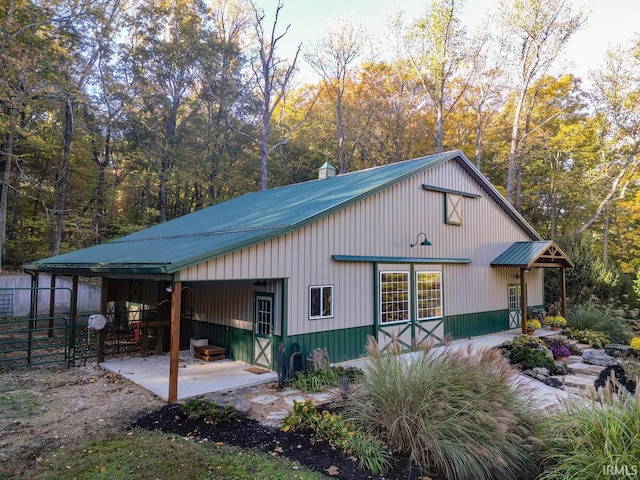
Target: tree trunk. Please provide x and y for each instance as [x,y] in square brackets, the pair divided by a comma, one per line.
[340,132]
[605,238]
[62,179]
[513,150]
[6,181]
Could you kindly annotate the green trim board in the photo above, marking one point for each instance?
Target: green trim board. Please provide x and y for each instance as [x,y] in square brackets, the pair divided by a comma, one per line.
[431,188]
[374,259]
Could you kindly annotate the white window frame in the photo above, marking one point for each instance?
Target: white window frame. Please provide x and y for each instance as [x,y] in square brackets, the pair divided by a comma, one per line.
[438,298]
[381,293]
[321,288]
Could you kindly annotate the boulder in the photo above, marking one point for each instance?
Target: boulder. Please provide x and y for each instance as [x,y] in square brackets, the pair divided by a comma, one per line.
[618,350]
[318,359]
[617,376]
[553,382]
[598,357]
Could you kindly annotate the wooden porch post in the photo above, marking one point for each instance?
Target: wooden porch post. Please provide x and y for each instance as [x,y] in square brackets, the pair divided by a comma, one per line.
[563,292]
[104,299]
[175,341]
[523,301]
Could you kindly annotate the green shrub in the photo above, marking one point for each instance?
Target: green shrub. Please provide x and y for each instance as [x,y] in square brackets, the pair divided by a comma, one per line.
[318,381]
[210,412]
[532,358]
[591,337]
[586,437]
[370,452]
[524,341]
[600,320]
[449,410]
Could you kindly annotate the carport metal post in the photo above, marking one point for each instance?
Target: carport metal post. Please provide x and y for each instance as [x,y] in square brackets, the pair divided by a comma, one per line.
[175,342]
[52,303]
[523,300]
[104,299]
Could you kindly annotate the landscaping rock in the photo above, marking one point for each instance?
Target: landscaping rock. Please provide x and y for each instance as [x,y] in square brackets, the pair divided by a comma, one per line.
[318,359]
[598,357]
[616,374]
[541,371]
[553,382]
[618,350]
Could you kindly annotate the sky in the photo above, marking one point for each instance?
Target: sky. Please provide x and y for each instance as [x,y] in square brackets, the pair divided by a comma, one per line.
[609,22]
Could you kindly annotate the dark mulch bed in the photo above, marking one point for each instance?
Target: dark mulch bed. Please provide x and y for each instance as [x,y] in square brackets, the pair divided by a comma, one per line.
[246,433]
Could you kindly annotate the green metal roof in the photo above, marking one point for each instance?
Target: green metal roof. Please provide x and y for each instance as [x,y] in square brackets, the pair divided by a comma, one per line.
[246,220]
[532,254]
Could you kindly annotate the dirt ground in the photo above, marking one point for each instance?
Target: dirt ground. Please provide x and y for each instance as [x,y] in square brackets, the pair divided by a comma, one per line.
[43,410]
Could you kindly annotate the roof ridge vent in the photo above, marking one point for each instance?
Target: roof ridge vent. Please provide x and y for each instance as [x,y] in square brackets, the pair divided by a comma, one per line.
[326,170]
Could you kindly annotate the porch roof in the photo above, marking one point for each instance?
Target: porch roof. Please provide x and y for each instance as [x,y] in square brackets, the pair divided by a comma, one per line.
[532,254]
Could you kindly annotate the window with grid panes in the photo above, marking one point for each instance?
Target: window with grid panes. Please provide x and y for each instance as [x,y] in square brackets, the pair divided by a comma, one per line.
[394,297]
[429,295]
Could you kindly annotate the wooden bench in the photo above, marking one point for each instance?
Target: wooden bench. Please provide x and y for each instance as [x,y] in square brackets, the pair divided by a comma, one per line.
[210,353]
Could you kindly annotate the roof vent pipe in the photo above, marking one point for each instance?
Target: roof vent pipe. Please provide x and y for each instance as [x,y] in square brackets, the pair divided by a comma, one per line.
[326,170]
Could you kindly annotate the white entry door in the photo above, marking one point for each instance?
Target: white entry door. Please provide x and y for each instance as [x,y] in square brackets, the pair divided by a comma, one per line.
[515,312]
[263,331]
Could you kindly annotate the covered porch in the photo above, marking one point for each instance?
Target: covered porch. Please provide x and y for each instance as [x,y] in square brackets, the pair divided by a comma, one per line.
[535,254]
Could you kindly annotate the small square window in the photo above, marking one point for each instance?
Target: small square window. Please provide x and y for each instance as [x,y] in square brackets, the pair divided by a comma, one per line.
[321,301]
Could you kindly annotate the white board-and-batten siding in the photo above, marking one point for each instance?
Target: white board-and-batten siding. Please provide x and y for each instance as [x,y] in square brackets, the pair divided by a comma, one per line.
[385,224]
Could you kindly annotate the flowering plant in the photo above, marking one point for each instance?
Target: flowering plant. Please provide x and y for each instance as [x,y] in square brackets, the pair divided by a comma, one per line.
[533,324]
[559,350]
[557,320]
[635,344]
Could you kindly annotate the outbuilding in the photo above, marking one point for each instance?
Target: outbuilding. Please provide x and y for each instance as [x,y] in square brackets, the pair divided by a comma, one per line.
[416,249]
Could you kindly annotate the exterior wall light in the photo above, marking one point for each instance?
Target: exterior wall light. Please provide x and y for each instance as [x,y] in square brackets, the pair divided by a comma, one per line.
[424,243]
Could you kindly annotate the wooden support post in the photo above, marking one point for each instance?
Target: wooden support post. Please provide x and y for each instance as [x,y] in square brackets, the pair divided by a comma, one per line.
[52,303]
[175,341]
[523,301]
[563,292]
[104,299]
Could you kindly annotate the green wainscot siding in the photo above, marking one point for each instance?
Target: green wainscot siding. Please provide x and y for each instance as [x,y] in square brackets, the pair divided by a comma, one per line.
[342,345]
[474,324]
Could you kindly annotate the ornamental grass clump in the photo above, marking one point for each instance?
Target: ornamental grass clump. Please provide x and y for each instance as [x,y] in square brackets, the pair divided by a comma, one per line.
[592,438]
[448,410]
[589,318]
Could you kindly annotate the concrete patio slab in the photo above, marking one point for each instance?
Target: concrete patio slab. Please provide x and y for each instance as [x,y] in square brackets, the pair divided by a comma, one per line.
[195,377]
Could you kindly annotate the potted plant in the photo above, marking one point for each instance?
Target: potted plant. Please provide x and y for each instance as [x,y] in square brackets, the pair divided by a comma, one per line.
[532,325]
[559,351]
[555,321]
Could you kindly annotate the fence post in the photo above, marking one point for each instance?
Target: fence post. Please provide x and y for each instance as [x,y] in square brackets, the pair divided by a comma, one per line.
[52,303]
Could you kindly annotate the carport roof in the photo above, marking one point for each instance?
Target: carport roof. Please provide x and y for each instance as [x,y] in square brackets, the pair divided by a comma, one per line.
[247,220]
[532,254]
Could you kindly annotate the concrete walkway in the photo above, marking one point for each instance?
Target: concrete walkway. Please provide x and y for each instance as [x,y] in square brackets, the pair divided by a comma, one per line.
[233,380]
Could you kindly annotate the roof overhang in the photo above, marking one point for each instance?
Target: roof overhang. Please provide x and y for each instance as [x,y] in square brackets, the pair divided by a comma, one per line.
[536,254]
